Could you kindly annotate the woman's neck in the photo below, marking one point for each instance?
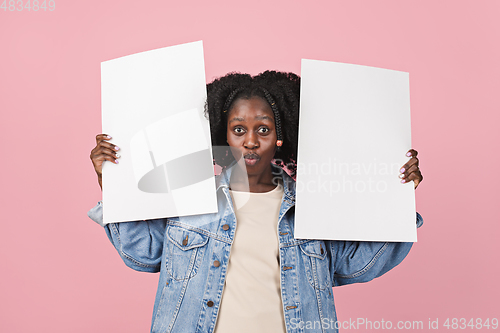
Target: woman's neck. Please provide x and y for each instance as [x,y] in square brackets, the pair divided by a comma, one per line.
[255,183]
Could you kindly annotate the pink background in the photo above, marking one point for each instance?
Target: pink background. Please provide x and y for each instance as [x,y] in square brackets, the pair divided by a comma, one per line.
[59,271]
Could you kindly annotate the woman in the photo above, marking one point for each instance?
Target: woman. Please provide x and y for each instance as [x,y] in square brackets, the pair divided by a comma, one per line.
[241,269]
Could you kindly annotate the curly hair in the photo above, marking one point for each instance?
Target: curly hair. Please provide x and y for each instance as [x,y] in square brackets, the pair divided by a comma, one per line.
[280,87]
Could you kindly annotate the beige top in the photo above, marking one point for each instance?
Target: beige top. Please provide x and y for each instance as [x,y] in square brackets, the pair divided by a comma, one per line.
[251,301]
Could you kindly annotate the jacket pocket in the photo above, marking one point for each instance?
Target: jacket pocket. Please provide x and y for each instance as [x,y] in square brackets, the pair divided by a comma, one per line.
[316,264]
[185,252]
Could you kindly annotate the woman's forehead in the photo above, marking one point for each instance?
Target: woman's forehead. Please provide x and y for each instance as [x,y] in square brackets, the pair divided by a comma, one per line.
[255,108]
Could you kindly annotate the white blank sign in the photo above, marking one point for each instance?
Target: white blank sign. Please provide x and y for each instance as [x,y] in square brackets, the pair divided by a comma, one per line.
[152,106]
[353,136]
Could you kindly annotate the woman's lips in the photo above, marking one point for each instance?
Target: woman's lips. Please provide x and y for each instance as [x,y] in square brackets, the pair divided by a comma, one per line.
[251,159]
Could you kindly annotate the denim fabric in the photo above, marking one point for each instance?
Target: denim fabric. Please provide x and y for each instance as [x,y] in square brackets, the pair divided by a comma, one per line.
[183,250]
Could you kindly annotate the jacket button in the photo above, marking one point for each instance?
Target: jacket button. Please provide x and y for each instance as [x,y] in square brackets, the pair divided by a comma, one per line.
[210,304]
[225,227]
[216,263]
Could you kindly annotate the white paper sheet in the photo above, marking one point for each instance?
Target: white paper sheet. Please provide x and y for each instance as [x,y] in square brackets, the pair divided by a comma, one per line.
[152,106]
[353,136]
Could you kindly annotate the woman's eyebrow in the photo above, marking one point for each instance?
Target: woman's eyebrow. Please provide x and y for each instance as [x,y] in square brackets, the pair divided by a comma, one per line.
[264,118]
[236,119]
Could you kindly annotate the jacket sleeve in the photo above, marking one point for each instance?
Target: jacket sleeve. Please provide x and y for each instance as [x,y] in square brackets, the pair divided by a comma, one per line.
[356,262]
[139,243]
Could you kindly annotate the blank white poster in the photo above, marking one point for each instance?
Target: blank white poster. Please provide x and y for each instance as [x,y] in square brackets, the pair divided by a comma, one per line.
[353,136]
[152,106]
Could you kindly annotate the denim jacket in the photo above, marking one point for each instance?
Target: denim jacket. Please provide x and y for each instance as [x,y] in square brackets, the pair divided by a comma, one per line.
[184,250]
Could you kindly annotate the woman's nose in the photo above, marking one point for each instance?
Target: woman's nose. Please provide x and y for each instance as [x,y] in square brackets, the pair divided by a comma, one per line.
[251,141]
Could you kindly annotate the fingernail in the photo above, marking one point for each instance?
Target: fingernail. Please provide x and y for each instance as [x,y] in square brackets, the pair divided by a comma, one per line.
[402,170]
[118,156]
[402,175]
[108,137]
[117,148]
[116,161]
[408,154]
[403,181]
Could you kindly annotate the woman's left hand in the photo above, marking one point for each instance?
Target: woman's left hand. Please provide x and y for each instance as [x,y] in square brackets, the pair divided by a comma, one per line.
[410,171]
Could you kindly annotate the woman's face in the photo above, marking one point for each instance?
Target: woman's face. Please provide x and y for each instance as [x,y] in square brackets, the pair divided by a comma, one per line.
[251,134]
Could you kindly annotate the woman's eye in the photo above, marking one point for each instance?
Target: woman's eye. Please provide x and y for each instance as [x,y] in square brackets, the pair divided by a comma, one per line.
[264,130]
[239,130]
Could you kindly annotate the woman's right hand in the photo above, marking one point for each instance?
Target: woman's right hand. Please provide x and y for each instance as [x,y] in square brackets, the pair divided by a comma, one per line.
[103,151]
